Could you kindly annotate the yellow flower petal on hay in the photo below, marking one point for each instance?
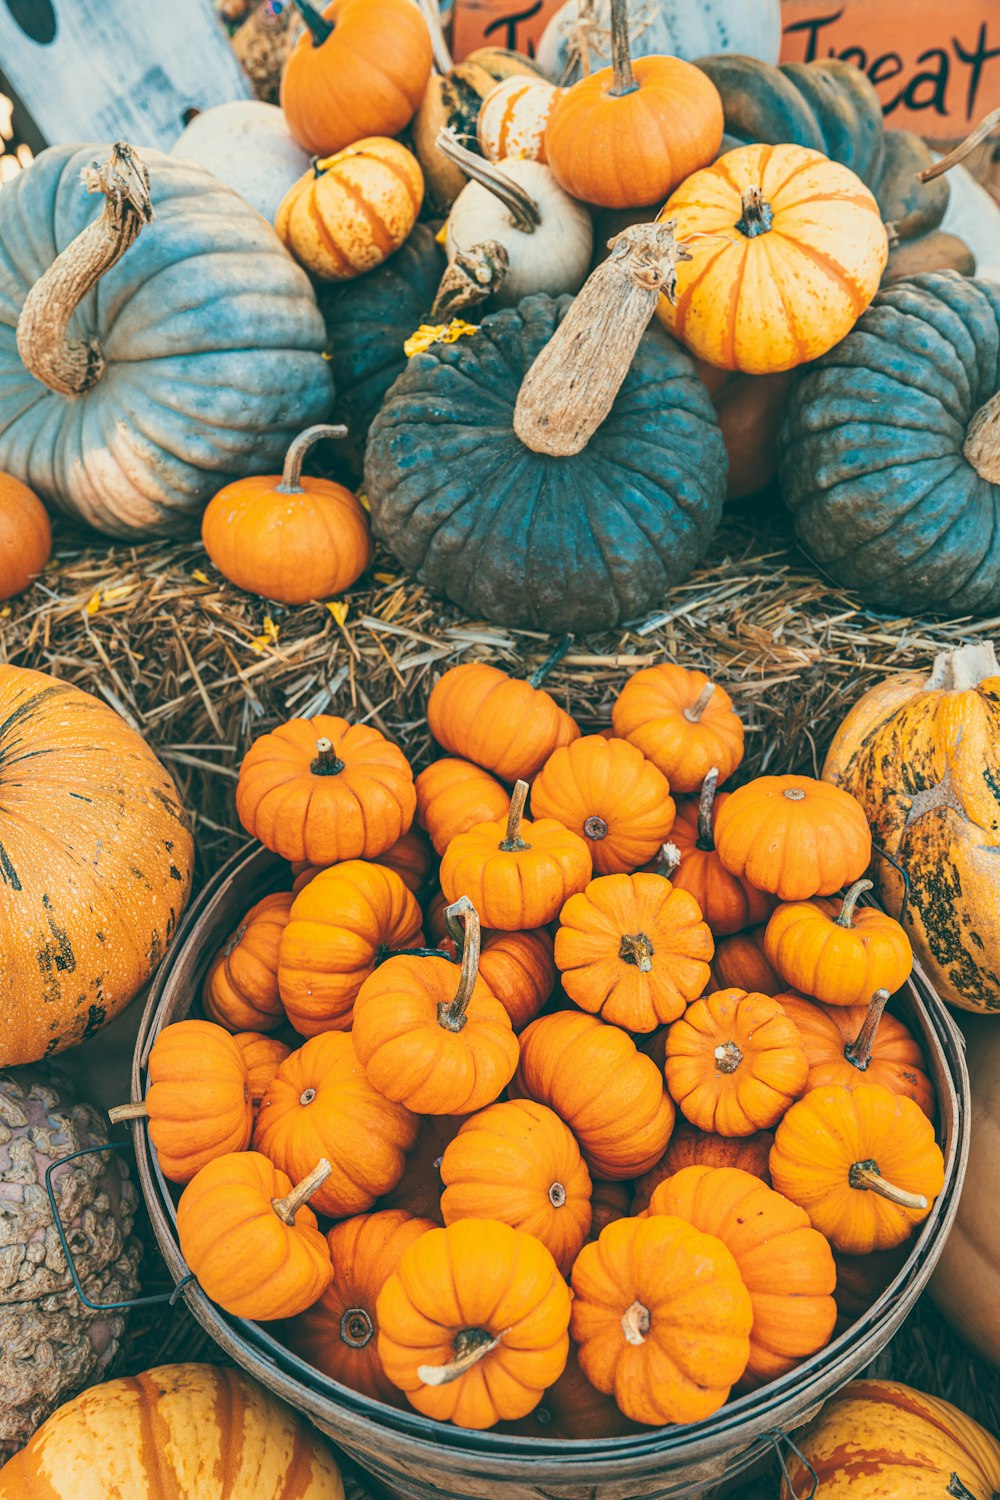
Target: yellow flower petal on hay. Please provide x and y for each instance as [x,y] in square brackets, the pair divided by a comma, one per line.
[338,608]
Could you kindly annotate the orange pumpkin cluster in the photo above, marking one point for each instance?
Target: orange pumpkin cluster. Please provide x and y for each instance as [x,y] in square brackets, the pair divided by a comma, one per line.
[594,1117]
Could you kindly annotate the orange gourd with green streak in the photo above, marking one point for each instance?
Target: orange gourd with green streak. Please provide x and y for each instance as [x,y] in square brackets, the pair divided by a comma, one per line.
[633,950]
[518,1163]
[661,1318]
[607,792]
[691,1147]
[321,1104]
[793,836]
[339,1333]
[861,1043]
[241,988]
[786,1265]
[433,1037]
[263,1056]
[728,902]
[453,796]
[247,1234]
[473,1323]
[862,1162]
[681,721]
[785,251]
[506,725]
[740,963]
[842,957]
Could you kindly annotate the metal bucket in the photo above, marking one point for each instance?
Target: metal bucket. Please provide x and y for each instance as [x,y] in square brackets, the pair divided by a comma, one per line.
[415,1458]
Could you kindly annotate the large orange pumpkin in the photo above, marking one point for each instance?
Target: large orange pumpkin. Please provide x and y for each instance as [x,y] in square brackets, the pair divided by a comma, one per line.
[681,721]
[241,987]
[728,903]
[96,858]
[25,536]
[607,792]
[793,836]
[498,722]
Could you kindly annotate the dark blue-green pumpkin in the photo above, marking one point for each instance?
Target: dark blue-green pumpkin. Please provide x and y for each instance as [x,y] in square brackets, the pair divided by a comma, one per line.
[530,540]
[871,459]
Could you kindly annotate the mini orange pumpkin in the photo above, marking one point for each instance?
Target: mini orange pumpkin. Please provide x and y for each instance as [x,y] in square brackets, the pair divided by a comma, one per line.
[286,537]
[861,1280]
[437,1048]
[419,1189]
[516,875]
[793,836]
[518,1163]
[610,1095]
[728,903]
[25,536]
[662,1319]
[633,949]
[473,1323]
[842,958]
[339,1333]
[786,1265]
[851,1044]
[501,723]
[608,1201]
[519,969]
[735,1062]
[198,1099]
[322,790]
[741,964]
[453,796]
[321,1104]
[249,1237]
[862,1162]
[241,987]
[263,1056]
[691,1147]
[342,924]
[606,791]
[410,857]
[573,1408]
[681,721]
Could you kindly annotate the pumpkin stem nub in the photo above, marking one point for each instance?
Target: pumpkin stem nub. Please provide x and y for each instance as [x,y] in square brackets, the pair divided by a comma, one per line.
[865,1176]
[524,211]
[291,474]
[121,1112]
[451,1015]
[727,1057]
[695,710]
[327,761]
[286,1208]
[623,78]
[845,917]
[757,216]
[73,365]
[859,1052]
[320,28]
[668,861]
[958,1490]
[595,827]
[982,441]
[706,810]
[356,1328]
[470,1346]
[637,949]
[513,842]
[557,1195]
[636,1323]
[794,794]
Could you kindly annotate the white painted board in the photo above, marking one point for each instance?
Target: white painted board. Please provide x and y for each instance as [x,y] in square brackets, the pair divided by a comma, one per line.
[975,217]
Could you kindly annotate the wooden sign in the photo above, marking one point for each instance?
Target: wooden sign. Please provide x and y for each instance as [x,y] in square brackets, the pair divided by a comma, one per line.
[103,70]
[936,66]
[517,24]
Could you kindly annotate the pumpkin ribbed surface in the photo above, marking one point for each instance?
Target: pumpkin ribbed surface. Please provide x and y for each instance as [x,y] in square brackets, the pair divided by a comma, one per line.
[501,723]
[606,791]
[241,987]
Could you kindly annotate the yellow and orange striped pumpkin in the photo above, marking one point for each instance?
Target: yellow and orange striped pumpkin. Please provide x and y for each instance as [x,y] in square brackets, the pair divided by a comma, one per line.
[513,117]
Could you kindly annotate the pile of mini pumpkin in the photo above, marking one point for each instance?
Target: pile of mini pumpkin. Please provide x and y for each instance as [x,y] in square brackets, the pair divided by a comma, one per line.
[603,1116]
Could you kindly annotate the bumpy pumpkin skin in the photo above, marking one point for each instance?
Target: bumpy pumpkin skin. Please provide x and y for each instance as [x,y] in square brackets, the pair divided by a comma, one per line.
[871,460]
[920,753]
[213,363]
[582,542]
[498,722]
[137,1436]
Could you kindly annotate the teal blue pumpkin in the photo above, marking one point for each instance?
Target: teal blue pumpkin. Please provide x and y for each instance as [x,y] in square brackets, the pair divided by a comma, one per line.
[191,361]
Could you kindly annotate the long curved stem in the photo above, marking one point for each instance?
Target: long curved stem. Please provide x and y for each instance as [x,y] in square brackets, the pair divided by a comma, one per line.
[972,140]
[706,810]
[859,1052]
[451,1015]
[286,1208]
[291,473]
[845,917]
[524,211]
[865,1175]
[623,78]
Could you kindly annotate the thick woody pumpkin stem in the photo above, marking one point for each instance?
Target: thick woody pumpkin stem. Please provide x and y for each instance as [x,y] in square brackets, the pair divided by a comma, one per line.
[73,365]
[865,1176]
[320,28]
[120,1112]
[623,78]
[706,808]
[291,474]
[524,211]
[636,1323]
[668,861]
[327,761]
[859,1052]
[982,441]
[286,1208]
[637,949]
[470,1346]
[757,216]
[963,669]
[513,842]
[727,1057]
[695,710]
[845,917]
[452,1015]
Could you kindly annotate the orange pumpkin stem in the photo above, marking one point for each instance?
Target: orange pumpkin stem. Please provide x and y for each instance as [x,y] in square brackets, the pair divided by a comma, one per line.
[286,1208]
[694,712]
[845,917]
[470,1346]
[524,211]
[513,842]
[637,949]
[291,474]
[452,1015]
[859,1052]
[121,1112]
[320,28]
[706,808]
[727,1057]
[327,762]
[865,1176]
[636,1323]
[623,78]
[356,1328]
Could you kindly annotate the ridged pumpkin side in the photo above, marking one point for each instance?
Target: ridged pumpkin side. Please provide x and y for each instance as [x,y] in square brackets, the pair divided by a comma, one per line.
[241,987]
[501,723]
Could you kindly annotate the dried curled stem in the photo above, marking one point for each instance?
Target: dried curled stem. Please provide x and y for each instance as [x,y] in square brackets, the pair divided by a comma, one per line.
[291,474]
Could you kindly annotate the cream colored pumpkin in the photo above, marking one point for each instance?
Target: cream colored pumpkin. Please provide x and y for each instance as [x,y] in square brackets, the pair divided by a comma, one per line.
[247,145]
[513,117]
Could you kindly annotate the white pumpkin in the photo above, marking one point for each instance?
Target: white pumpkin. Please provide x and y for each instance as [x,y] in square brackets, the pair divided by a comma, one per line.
[513,117]
[247,146]
[675,28]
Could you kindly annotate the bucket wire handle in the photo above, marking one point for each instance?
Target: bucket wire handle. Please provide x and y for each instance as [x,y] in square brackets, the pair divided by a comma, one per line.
[884,854]
[782,1440]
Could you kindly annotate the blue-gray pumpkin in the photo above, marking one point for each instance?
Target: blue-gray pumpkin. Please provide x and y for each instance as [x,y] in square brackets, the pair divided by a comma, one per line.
[889,457]
[173,344]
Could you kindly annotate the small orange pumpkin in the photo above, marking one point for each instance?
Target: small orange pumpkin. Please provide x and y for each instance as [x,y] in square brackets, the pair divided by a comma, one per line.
[861,1280]
[851,1044]
[438,1048]
[735,1062]
[410,857]
[517,875]
[473,1323]
[322,790]
[728,903]
[606,791]
[681,721]
[691,1147]
[633,949]
[608,1201]
[339,1333]
[862,1162]
[321,1104]
[198,1100]
[241,987]
[342,924]
[841,958]
[518,1163]
[250,1238]
[741,964]
[519,969]
[25,536]
[610,1095]
[263,1056]
[499,722]
[573,1408]
[661,1318]
[286,537]
[453,796]
[793,836]
[419,1189]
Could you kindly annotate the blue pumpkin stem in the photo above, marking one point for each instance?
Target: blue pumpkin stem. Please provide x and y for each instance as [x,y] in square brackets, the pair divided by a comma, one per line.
[757,216]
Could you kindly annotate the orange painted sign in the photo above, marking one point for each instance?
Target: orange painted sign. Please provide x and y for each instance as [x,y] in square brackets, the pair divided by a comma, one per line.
[517,24]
